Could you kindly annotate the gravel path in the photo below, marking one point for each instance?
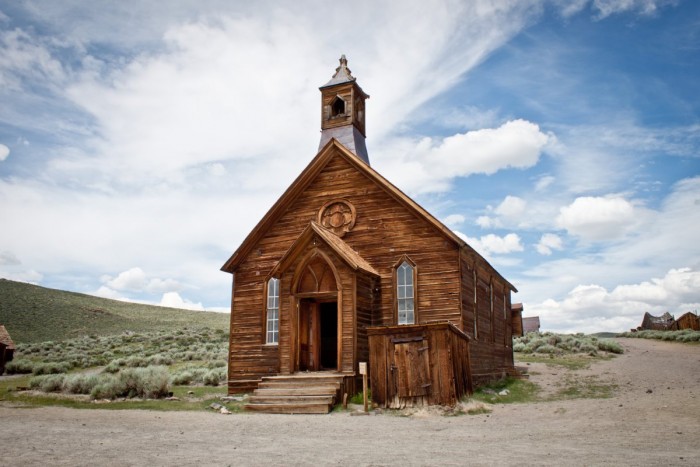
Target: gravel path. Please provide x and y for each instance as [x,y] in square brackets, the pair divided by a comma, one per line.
[653,419]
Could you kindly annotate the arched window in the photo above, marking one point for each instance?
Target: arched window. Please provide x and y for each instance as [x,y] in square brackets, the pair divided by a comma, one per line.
[405,293]
[273,311]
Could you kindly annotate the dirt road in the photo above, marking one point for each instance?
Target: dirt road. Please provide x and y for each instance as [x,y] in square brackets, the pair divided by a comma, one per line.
[653,419]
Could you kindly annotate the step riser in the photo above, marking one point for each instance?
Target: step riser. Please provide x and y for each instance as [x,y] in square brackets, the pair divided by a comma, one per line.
[289,408]
[291,399]
[293,392]
[275,385]
[289,394]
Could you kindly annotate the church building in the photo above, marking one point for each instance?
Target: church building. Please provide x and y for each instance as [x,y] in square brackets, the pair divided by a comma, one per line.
[343,255]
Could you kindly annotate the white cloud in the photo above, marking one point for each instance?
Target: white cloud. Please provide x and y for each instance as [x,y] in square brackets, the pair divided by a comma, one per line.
[511,207]
[453,220]
[133,279]
[597,218]
[8,258]
[644,7]
[4,152]
[592,308]
[549,242]
[430,166]
[491,244]
[174,300]
[544,182]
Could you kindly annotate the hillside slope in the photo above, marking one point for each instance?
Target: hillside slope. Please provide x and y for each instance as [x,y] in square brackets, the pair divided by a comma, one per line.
[35,314]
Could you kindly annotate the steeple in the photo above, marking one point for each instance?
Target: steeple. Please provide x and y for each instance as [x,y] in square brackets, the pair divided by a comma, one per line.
[343,111]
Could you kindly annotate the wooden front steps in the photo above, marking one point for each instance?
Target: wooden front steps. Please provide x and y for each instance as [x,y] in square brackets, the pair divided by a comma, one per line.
[297,393]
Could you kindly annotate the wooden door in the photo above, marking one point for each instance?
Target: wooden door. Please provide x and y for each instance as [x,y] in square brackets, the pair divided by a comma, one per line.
[309,336]
[411,366]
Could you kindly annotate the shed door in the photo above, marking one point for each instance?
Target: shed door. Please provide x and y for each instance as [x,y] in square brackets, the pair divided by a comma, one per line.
[411,366]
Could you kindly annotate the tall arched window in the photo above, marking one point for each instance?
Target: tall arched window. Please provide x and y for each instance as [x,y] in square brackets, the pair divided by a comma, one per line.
[405,293]
[273,311]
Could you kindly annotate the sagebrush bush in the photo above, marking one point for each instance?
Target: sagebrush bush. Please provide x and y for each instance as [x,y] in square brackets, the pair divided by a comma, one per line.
[51,368]
[551,343]
[686,335]
[80,383]
[19,367]
[47,383]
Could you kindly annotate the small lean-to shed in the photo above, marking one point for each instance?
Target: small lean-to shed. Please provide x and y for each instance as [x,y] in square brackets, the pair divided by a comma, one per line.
[688,321]
[516,317]
[7,348]
[416,365]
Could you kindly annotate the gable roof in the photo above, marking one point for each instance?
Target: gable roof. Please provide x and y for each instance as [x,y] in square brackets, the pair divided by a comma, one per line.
[5,338]
[342,249]
[335,149]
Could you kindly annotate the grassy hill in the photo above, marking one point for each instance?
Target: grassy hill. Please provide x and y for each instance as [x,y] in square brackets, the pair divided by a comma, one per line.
[36,314]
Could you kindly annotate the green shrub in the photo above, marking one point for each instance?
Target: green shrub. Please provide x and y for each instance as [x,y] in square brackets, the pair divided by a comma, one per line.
[182,378]
[47,383]
[19,367]
[50,368]
[80,383]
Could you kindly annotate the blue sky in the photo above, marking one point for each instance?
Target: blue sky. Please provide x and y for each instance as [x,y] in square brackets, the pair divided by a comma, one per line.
[140,144]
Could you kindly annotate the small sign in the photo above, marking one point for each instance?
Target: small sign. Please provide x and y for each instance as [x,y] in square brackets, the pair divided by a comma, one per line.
[363,368]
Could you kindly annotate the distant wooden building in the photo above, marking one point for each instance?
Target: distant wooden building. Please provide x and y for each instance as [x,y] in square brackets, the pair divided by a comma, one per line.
[517,319]
[688,320]
[664,322]
[343,254]
[7,348]
[531,324]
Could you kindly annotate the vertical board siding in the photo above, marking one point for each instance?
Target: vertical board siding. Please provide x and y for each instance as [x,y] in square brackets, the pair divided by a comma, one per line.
[419,365]
[385,230]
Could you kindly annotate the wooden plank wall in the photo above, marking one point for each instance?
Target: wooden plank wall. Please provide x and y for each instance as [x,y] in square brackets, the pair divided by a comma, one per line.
[449,368]
[384,231]
[491,344]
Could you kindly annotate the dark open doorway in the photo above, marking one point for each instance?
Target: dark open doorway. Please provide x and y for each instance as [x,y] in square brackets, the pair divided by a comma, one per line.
[318,335]
[329,335]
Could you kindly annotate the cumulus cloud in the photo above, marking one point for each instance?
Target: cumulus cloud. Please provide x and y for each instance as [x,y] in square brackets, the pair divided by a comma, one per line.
[593,308]
[597,218]
[135,280]
[4,152]
[453,219]
[430,165]
[174,300]
[549,242]
[511,212]
[491,244]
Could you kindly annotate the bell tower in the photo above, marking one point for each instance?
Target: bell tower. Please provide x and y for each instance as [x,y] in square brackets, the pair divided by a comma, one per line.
[343,111]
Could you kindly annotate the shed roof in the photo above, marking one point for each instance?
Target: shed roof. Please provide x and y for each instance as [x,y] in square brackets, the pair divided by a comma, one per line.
[5,338]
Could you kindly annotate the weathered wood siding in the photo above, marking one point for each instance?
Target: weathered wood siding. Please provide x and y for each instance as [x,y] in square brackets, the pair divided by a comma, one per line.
[384,232]
[419,365]
[491,345]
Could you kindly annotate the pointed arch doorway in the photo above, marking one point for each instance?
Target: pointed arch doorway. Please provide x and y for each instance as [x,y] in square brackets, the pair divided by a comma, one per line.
[317,347]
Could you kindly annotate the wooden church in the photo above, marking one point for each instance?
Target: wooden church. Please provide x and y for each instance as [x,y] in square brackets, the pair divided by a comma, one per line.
[345,268]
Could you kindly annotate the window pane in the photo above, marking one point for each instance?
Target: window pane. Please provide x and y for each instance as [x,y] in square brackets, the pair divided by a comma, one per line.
[272,316]
[405,294]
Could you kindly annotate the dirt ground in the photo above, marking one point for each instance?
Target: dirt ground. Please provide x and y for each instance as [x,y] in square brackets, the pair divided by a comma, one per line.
[653,419]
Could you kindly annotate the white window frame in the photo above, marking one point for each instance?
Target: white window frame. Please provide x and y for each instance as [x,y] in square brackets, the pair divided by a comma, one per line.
[272,312]
[405,293]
